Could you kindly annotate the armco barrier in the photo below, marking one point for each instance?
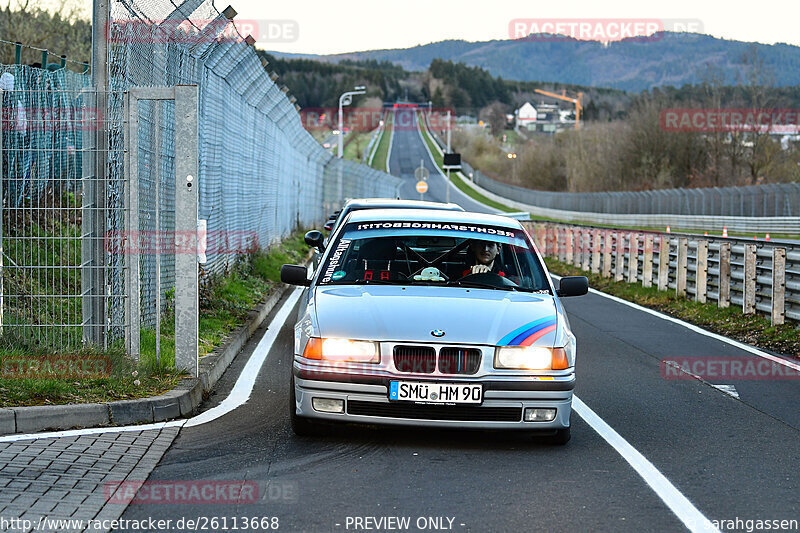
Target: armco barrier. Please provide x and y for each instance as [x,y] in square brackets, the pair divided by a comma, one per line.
[773,208]
[755,276]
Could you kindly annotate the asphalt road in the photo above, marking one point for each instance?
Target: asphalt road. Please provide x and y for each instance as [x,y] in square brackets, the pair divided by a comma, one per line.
[408,150]
[730,457]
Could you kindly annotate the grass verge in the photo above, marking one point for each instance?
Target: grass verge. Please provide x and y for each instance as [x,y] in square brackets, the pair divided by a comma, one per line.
[225,302]
[730,322]
[380,159]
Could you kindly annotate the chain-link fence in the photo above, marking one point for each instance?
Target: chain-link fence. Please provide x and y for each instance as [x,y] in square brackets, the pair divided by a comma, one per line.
[66,192]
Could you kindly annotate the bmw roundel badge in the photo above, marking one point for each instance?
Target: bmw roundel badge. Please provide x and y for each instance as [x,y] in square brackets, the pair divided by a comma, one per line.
[438,333]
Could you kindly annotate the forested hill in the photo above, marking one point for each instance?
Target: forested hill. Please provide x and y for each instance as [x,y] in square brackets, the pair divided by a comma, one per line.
[676,59]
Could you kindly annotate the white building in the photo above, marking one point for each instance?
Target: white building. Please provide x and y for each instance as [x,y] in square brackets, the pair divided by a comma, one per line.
[526,116]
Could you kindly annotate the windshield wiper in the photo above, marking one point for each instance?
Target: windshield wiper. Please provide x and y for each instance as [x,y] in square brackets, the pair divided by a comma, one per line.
[480,285]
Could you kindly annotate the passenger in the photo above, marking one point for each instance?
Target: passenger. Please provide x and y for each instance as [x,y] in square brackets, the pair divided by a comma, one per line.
[481,257]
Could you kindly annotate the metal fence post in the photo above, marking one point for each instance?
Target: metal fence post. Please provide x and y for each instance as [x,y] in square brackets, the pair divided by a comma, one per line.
[607,254]
[701,275]
[132,237]
[619,256]
[749,297]
[663,263]
[186,185]
[633,258]
[101,14]
[647,262]
[724,275]
[682,266]
[596,251]
[778,286]
[88,217]
[2,177]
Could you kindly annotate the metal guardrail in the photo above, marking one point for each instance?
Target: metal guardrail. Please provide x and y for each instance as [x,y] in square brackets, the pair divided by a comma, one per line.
[773,208]
[758,277]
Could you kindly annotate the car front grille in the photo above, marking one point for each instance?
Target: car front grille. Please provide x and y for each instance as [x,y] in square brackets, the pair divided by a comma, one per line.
[459,360]
[415,359]
[423,360]
[434,412]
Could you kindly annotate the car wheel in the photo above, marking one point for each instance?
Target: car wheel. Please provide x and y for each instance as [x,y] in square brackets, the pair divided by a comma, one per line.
[561,437]
[301,426]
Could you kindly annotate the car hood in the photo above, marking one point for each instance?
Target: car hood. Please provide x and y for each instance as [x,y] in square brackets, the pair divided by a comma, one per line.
[470,316]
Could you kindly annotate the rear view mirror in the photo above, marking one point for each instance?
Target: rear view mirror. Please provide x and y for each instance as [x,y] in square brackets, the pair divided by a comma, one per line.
[315,239]
[573,286]
[295,275]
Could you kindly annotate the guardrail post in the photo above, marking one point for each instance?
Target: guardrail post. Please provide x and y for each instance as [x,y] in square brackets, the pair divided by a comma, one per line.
[778,286]
[647,262]
[749,297]
[586,246]
[633,258]
[701,276]
[554,243]
[577,252]
[619,257]
[607,254]
[561,248]
[663,263]
[595,251]
[568,252]
[682,267]
[724,275]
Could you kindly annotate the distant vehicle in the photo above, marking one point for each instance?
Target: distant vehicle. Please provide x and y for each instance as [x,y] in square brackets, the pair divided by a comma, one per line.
[357,204]
[432,318]
[326,145]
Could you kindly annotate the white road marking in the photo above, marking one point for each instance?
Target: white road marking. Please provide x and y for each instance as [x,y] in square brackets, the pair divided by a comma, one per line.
[90,431]
[238,396]
[697,329]
[686,512]
[247,379]
[727,389]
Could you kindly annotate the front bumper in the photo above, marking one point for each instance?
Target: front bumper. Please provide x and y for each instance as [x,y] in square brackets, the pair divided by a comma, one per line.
[365,397]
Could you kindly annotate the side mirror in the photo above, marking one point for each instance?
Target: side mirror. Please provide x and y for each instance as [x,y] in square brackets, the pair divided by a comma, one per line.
[315,239]
[573,286]
[295,275]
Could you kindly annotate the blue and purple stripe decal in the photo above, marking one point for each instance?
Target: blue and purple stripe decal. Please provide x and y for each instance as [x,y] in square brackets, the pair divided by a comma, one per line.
[529,333]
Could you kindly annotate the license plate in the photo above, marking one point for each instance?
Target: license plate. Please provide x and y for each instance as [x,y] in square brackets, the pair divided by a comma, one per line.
[445,393]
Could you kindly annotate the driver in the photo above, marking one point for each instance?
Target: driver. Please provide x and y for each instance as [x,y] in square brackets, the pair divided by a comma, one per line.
[481,258]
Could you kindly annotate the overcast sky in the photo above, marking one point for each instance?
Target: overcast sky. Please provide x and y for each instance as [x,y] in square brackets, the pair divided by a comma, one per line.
[327,26]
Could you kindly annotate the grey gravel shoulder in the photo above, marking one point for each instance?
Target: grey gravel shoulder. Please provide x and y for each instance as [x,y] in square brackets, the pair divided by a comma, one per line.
[179,402]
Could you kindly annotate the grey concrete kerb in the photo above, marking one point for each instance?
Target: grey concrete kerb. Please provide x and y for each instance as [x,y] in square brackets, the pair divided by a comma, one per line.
[181,401]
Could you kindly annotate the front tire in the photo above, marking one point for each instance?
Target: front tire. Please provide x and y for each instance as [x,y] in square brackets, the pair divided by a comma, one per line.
[561,437]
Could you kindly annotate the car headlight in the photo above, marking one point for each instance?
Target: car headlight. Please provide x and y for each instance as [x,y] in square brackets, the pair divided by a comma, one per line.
[530,358]
[342,350]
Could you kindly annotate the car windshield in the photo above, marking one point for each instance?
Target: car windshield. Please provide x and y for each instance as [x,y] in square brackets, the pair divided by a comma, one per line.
[427,253]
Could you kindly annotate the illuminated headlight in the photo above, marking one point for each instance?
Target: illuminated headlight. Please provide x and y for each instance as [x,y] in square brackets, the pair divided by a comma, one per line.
[342,350]
[530,358]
